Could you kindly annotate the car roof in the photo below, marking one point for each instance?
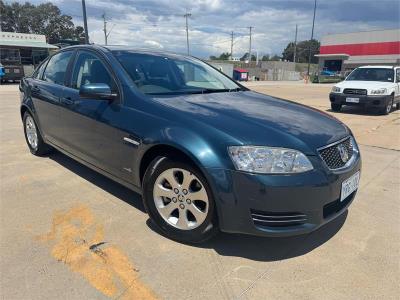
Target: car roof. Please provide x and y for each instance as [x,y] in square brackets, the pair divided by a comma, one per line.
[128,48]
[376,67]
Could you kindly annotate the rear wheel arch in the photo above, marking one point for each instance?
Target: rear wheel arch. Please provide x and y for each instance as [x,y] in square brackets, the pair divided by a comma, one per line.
[26,109]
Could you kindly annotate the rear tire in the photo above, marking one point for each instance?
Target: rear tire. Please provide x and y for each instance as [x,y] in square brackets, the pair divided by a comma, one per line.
[336,107]
[33,137]
[179,200]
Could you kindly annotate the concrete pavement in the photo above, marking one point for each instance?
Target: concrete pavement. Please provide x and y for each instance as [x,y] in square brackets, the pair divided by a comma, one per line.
[70,233]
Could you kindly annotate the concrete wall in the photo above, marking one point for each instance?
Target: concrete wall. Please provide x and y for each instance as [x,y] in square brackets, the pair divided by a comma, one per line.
[226,68]
[266,70]
[273,74]
[282,65]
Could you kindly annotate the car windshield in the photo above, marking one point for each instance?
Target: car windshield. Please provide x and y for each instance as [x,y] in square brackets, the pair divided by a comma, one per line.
[372,74]
[156,74]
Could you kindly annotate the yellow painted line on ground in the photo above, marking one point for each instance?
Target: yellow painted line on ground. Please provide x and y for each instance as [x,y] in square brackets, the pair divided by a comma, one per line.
[77,240]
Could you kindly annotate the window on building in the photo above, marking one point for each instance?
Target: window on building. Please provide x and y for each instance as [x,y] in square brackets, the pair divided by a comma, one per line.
[334,65]
[9,56]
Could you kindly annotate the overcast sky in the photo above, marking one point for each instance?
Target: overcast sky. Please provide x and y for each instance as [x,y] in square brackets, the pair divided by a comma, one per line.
[160,23]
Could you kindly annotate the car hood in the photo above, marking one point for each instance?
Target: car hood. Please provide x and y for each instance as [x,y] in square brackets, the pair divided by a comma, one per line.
[257,119]
[367,85]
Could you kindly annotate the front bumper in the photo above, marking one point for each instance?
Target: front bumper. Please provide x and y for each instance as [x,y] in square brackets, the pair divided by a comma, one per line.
[312,199]
[364,100]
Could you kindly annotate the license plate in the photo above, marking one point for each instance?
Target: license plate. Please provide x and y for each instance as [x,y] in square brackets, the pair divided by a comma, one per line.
[350,185]
[352,100]
[16,71]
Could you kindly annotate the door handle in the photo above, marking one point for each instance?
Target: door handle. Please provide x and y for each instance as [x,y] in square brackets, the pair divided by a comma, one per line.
[35,89]
[67,100]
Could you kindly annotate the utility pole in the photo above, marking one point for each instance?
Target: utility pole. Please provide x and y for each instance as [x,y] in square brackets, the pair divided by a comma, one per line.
[85,22]
[232,45]
[187,15]
[251,27]
[312,36]
[105,28]
[295,46]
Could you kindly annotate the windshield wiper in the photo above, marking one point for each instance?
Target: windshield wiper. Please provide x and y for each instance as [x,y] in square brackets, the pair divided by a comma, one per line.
[202,91]
[208,91]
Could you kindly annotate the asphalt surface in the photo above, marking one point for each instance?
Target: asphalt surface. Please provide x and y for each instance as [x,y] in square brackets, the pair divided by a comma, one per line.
[70,233]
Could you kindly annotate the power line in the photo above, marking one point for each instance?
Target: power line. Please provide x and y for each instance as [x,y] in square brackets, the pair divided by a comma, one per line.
[232,45]
[105,28]
[295,46]
[106,34]
[85,22]
[187,15]
[312,36]
[251,27]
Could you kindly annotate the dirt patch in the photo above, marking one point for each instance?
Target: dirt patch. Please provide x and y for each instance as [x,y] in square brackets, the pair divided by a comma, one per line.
[77,240]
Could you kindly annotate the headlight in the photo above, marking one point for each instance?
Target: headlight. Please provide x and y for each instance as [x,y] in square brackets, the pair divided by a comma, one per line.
[378,91]
[354,144]
[336,89]
[259,159]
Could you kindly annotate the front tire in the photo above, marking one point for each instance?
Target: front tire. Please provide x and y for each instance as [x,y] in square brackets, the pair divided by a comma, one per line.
[388,107]
[179,200]
[33,137]
[336,107]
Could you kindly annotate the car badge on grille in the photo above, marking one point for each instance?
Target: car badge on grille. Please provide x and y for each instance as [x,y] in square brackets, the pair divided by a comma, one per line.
[344,154]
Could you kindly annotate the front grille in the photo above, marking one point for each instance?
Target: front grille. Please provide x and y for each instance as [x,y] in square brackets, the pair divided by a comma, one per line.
[332,157]
[355,91]
[270,219]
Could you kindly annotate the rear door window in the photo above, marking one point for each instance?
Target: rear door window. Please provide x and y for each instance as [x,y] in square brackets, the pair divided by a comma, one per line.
[57,67]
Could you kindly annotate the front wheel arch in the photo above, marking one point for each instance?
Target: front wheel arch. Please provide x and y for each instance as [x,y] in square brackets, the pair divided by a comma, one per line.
[171,151]
[23,110]
[164,150]
[196,235]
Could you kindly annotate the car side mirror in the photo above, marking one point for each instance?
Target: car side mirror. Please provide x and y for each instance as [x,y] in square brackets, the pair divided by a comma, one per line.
[97,91]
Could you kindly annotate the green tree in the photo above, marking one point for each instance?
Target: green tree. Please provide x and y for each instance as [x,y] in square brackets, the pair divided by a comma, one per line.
[275,58]
[223,56]
[302,51]
[45,18]
[246,57]
[265,57]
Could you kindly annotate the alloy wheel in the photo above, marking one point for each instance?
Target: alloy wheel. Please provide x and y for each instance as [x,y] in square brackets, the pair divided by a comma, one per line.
[180,198]
[31,132]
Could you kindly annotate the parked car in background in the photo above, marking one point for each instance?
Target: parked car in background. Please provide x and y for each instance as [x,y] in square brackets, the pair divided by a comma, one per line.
[206,153]
[327,72]
[370,87]
[2,73]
